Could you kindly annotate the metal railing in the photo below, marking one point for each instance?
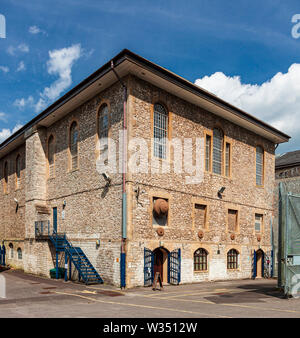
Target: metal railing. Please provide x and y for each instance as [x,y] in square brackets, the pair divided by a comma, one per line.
[42,228]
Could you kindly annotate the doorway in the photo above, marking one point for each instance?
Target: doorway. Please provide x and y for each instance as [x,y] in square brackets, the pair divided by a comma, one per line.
[259,263]
[161,263]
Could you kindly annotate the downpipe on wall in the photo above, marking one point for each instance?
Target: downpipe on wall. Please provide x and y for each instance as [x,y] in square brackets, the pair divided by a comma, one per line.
[124,195]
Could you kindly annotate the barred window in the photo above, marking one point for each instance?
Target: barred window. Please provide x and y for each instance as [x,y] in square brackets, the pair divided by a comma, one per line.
[259,165]
[18,171]
[217,151]
[258,222]
[208,153]
[51,152]
[5,175]
[160,131]
[227,159]
[200,260]
[74,145]
[232,259]
[103,121]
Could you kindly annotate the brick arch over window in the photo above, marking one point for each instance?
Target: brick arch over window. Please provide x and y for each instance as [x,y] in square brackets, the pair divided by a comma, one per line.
[232,259]
[51,156]
[218,148]
[259,163]
[160,130]
[18,171]
[200,260]
[73,145]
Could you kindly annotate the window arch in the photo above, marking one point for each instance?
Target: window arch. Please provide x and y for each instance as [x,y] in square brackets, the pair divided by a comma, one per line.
[232,259]
[103,121]
[259,165]
[18,171]
[19,251]
[51,156]
[160,130]
[5,176]
[218,140]
[11,250]
[74,145]
[200,260]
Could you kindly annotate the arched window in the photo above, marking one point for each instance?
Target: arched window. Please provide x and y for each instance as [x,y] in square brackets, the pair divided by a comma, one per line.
[5,176]
[200,260]
[11,250]
[18,171]
[160,130]
[218,138]
[103,121]
[259,165]
[19,251]
[74,145]
[51,154]
[232,259]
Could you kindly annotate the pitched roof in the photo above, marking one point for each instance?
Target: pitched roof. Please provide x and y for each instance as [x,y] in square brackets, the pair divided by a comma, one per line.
[286,160]
[128,62]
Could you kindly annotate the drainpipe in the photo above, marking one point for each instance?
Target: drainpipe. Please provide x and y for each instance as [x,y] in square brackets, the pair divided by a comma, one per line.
[124,196]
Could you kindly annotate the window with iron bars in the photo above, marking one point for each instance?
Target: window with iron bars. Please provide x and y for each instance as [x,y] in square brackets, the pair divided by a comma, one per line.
[160,131]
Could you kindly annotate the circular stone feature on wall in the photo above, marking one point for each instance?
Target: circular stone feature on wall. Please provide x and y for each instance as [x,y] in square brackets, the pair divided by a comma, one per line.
[200,234]
[232,236]
[160,231]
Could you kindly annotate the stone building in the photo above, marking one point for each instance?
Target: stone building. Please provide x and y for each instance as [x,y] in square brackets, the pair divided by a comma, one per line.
[192,215]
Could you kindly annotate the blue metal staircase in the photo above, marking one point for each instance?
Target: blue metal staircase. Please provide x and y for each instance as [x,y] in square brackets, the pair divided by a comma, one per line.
[86,271]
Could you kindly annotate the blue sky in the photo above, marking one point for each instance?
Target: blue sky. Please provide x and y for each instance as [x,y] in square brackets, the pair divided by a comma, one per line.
[240,50]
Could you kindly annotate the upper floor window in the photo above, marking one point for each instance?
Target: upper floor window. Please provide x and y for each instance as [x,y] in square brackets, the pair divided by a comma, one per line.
[74,145]
[18,171]
[258,222]
[208,153]
[103,121]
[103,130]
[232,220]
[200,260]
[51,154]
[259,165]
[5,176]
[227,159]
[218,138]
[200,215]
[160,131]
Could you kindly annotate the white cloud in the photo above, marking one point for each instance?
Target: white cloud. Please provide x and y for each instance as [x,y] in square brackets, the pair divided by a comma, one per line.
[60,63]
[3,117]
[4,69]
[20,48]
[21,67]
[6,133]
[22,103]
[34,30]
[276,101]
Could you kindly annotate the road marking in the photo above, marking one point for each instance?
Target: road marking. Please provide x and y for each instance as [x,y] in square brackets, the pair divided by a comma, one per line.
[109,290]
[138,305]
[196,294]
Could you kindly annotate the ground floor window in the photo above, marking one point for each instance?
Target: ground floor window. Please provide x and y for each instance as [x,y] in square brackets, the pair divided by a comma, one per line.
[200,260]
[11,250]
[232,259]
[19,253]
